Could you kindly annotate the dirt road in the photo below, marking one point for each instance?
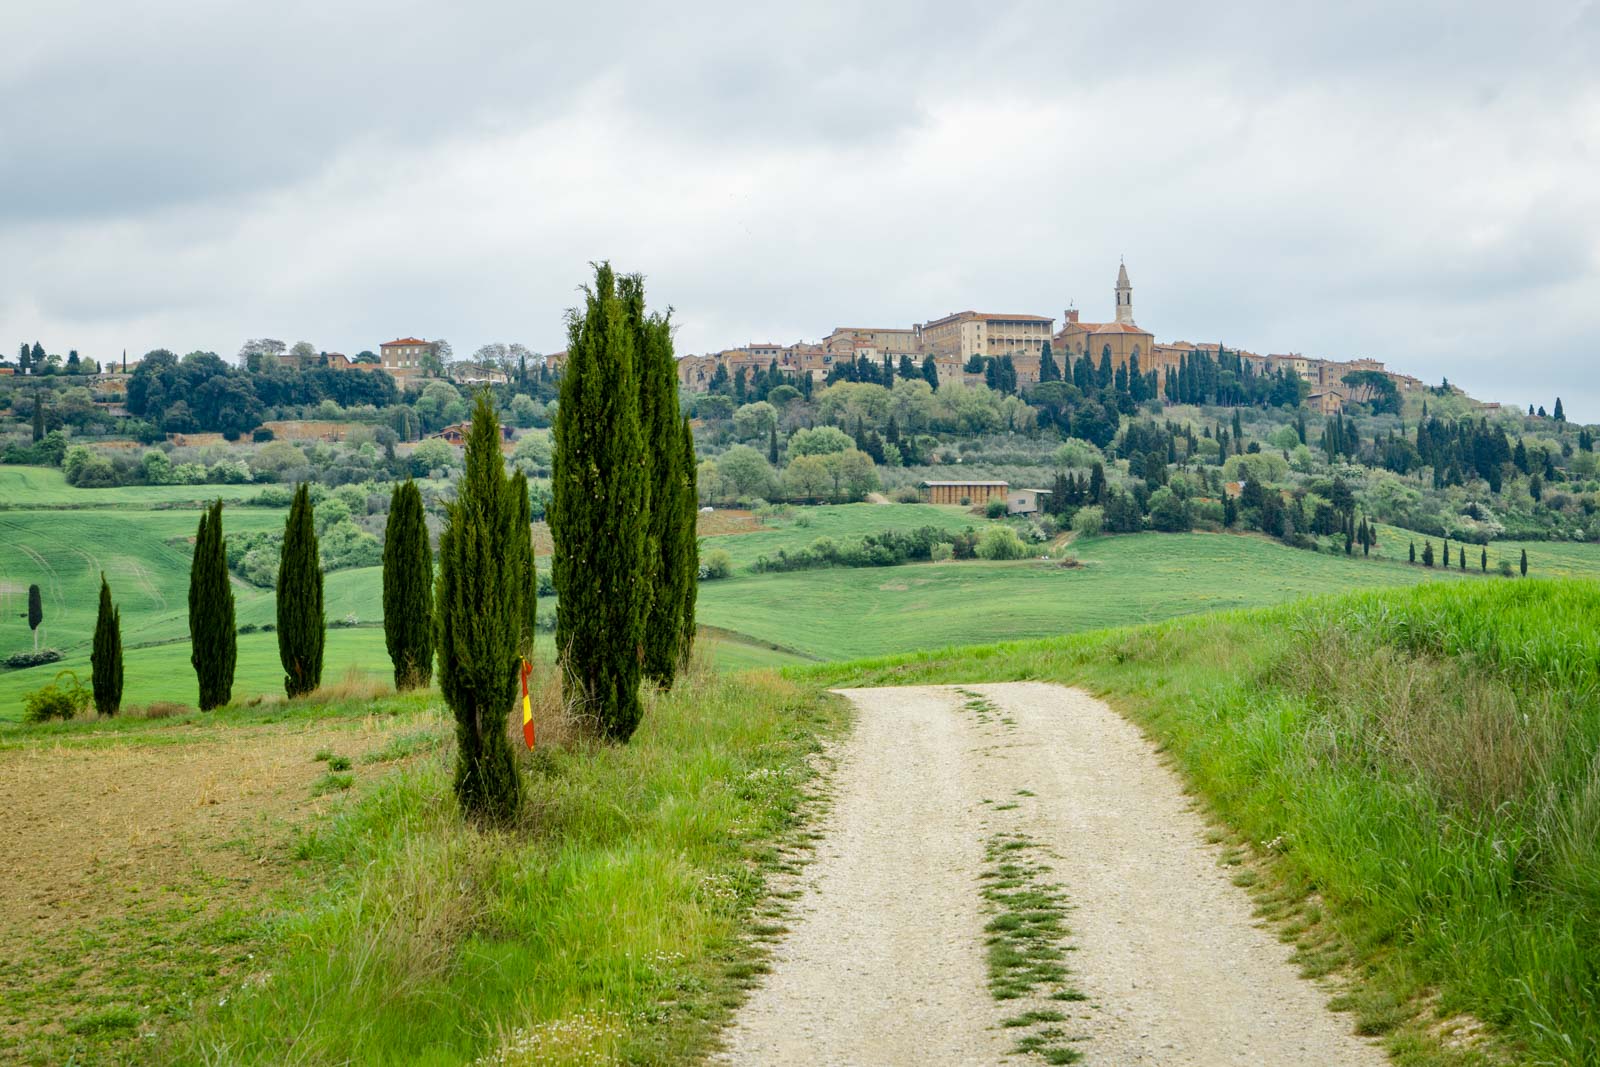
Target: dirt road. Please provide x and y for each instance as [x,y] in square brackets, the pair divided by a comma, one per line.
[885,961]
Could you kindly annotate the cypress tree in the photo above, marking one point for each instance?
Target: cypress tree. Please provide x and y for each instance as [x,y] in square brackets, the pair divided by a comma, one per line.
[477,623]
[1524,563]
[658,420]
[301,624]
[521,565]
[106,661]
[35,612]
[1483,560]
[408,589]
[687,548]
[772,444]
[212,639]
[599,514]
[1463,557]
[38,418]
[1427,554]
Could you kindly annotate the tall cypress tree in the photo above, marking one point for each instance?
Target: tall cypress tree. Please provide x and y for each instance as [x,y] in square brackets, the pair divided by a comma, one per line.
[35,612]
[213,642]
[687,551]
[1524,564]
[659,424]
[477,623]
[105,662]
[599,514]
[301,624]
[38,417]
[520,564]
[408,588]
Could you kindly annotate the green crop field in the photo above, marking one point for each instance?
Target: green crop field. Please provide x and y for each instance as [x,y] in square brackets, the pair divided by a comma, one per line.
[842,522]
[843,613]
[46,487]
[1546,559]
[754,620]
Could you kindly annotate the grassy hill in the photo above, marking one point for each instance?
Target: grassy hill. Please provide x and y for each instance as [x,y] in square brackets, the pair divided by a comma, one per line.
[843,613]
[1410,782]
[35,487]
[754,620]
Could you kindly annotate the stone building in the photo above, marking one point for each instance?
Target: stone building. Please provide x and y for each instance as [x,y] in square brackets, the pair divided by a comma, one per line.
[965,334]
[403,359]
[1121,339]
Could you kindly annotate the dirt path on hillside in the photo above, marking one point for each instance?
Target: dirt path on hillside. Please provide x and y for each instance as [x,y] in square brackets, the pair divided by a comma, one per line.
[885,960]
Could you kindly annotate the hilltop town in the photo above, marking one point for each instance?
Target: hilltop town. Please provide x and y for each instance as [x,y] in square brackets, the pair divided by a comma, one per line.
[958,347]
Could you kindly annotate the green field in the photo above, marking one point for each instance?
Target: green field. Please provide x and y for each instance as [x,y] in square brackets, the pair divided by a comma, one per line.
[842,522]
[843,613]
[1546,559]
[755,620]
[46,487]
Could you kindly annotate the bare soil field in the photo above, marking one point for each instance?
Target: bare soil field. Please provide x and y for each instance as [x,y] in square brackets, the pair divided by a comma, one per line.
[136,865]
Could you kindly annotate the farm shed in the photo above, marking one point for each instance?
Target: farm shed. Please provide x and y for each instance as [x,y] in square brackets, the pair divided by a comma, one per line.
[963,492]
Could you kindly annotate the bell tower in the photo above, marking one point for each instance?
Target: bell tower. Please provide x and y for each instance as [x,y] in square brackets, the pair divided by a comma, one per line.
[1124,296]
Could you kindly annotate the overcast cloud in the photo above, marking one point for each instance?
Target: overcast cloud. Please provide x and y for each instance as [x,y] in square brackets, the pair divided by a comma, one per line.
[1416,183]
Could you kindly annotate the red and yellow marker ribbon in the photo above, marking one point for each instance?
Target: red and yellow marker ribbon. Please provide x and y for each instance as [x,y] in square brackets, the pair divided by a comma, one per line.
[527,707]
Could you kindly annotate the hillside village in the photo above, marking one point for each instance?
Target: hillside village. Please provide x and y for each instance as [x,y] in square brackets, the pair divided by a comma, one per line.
[959,346]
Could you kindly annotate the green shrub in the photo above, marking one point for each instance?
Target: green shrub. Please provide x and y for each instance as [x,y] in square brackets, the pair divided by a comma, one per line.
[995,509]
[56,700]
[1001,542]
[1088,522]
[717,564]
[20,660]
[942,551]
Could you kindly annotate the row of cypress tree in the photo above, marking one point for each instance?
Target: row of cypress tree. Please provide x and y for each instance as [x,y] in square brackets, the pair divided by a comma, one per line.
[623,507]
[301,623]
[625,567]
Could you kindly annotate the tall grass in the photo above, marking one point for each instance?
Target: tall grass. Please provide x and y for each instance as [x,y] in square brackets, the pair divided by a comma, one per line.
[612,922]
[1420,771]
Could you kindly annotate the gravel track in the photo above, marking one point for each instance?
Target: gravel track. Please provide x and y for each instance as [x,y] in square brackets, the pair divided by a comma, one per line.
[884,963]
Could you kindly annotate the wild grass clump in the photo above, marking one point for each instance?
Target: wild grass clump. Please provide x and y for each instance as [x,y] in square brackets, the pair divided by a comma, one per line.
[613,921]
[1418,773]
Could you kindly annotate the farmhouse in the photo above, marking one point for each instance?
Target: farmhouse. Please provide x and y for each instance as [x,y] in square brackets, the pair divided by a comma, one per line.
[964,493]
[456,434]
[1025,501]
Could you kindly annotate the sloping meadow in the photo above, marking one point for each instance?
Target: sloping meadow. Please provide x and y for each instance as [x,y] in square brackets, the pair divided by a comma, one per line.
[617,921]
[1411,780]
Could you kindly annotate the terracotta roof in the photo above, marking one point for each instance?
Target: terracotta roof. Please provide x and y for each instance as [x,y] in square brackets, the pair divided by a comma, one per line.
[1121,327]
[1087,327]
[932,484]
[404,341]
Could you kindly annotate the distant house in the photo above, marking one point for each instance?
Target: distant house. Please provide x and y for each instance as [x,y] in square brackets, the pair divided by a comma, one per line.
[1025,501]
[964,493]
[404,358]
[1328,403]
[456,434]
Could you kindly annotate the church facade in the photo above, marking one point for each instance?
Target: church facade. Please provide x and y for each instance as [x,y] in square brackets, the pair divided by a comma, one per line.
[1122,339]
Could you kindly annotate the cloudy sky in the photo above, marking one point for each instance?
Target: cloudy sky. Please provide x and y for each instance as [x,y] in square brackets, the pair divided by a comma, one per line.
[1417,183]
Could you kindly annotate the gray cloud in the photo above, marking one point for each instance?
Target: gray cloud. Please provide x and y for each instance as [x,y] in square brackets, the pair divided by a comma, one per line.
[1409,182]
